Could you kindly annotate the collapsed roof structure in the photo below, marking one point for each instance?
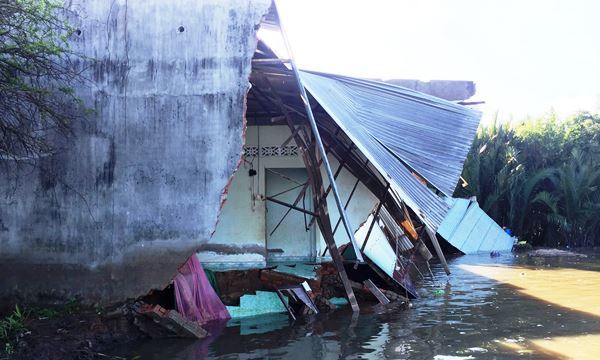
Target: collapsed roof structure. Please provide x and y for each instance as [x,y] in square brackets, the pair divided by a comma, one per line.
[407,148]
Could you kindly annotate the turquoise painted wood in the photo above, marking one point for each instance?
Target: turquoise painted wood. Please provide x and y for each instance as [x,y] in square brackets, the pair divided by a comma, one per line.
[264,302]
[378,248]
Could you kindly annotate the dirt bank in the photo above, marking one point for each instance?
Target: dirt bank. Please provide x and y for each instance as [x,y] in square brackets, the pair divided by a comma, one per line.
[66,332]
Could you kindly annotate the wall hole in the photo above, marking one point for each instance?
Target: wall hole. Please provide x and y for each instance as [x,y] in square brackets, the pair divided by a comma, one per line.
[181,29]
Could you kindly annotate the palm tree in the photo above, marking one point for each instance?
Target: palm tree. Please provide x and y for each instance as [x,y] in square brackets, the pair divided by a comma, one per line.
[573,204]
[516,174]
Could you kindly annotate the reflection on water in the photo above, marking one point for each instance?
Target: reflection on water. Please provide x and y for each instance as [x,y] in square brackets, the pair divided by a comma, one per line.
[571,288]
[468,315]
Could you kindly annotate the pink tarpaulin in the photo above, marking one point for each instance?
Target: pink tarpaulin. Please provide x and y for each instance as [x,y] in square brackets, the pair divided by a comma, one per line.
[196,299]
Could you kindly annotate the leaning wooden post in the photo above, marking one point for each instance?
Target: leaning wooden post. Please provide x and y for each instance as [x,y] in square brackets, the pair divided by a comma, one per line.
[320,202]
[321,148]
[438,249]
[324,221]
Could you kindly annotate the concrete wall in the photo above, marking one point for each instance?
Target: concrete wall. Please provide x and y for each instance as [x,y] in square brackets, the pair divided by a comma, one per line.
[239,240]
[138,188]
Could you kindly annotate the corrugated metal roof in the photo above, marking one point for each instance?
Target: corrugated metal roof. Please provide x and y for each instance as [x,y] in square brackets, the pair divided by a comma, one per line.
[390,123]
[404,244]
[471,230]
[431,135]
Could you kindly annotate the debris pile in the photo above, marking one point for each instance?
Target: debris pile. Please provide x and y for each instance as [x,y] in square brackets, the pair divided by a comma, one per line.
[298,289]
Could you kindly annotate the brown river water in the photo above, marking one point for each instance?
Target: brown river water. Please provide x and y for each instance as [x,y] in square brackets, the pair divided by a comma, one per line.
[508,307]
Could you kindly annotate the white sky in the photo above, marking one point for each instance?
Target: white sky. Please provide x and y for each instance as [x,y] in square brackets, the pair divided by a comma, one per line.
[526,56]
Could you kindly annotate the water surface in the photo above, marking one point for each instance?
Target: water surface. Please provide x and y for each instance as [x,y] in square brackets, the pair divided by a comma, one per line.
[521,310]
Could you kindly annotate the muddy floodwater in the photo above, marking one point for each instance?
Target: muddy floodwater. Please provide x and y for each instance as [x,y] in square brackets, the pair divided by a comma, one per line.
[489,308]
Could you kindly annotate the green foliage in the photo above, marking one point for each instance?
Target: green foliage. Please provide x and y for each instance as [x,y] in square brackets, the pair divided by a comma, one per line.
[36,76]
[72,306]
[541,178]
[10,327]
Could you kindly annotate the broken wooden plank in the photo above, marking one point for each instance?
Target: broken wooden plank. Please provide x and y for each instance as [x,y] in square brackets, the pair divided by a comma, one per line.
[287,306]
[297,292]
[291,206]
[376,292]
[438,249]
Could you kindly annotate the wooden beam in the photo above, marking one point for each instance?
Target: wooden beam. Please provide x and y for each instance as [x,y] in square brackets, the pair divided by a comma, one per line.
[312,165]
[438,249]
[300,196]
[324,223]
[291,206]
[375,216]
[376,292]
[337,173]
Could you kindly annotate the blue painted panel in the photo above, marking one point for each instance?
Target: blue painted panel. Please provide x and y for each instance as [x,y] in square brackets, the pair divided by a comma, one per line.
[464,229]
[378,248]
[504,242]
[475,231]
[454,217]
[488,240]
[475,236]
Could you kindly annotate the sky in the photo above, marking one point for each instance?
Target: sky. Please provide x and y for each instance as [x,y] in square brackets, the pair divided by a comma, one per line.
[526,57]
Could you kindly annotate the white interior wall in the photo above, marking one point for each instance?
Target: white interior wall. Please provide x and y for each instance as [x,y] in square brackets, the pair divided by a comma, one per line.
[361,204]
[239,239]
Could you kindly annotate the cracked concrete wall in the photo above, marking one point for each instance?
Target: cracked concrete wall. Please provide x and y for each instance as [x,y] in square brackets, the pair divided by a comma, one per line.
[138,188]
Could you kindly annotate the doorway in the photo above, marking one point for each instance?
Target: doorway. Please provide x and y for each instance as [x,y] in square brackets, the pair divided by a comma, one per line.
[287,236]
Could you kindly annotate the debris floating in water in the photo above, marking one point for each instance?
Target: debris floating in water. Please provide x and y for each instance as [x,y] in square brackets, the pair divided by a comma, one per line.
[438,292]
[554,253]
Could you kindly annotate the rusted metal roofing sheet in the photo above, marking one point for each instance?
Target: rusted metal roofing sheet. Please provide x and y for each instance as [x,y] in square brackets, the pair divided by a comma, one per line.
[393,126]
[431,135]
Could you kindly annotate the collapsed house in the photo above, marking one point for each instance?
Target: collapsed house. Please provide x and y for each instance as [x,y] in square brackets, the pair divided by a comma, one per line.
[336,170]
[340,179]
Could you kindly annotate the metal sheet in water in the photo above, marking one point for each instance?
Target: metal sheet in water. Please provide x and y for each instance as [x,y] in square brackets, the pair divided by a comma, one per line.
[469,229]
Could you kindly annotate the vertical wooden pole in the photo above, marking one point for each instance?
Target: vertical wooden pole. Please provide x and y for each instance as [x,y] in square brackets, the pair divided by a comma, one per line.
[438,249]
